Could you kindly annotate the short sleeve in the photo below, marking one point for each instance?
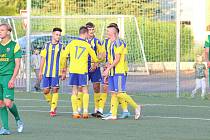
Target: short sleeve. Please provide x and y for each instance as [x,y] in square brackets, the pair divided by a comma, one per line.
[43,52]
[119,50]
[17,51]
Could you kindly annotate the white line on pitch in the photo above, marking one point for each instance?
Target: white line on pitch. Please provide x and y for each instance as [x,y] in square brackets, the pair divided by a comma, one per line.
[155,105]
[160,117]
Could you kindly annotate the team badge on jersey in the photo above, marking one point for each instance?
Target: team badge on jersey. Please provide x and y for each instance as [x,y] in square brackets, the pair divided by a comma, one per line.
[8,49]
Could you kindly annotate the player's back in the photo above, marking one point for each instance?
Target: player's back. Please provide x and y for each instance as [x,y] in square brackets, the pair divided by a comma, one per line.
[78,50]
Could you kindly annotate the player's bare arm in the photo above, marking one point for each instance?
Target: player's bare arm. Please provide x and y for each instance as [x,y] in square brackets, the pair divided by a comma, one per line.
[115,62]
[16,70]
[41,68]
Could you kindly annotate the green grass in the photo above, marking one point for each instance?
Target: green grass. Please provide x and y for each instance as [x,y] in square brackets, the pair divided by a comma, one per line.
[165,117]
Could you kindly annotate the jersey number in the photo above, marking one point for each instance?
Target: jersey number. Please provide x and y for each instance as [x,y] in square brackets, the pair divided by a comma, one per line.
[77,54]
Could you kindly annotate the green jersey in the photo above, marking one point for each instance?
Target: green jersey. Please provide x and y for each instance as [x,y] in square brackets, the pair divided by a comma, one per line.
[207,44]
[199,70]
[8,53]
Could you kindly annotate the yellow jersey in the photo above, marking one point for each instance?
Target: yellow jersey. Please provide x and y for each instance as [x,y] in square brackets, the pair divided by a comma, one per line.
[52,54]
[78,50]
[96,46]
[117,47]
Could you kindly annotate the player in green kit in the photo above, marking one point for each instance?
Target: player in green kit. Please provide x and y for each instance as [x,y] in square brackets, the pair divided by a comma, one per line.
[10,57]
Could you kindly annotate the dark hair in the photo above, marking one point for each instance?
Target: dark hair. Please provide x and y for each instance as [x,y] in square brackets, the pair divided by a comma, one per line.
[9,28]
[83,30]
[90,25]
[114,25]
[57,29]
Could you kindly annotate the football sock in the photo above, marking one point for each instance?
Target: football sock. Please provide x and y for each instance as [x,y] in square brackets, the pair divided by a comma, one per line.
[114,103]
[102,101]
[14,112]
[85,102]
[79,102]
[74,103]
[54,102]
[96,100]
[124,104]
[4,117]
[128,99]
[48,98]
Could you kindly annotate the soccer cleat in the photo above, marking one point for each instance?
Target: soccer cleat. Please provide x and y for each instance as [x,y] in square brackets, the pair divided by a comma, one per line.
[76,116]
[20,126]
[138,112]
[110,118]
[106,115]
[99,114]
[125,115]
[4,131]
[94,114]
[53,113]
[85,116]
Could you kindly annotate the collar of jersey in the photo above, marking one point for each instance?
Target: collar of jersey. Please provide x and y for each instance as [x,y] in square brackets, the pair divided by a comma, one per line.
[81,39]
[6,43]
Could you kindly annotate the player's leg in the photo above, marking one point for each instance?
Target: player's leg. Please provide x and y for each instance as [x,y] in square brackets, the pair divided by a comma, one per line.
[120,83]
[74,82]
[55,88]
[114,100]
[83,82]
[102,100]
[96,89]
[3,114]
[124,106]
[8,101]
[46,89]
[96,79]
[80,98]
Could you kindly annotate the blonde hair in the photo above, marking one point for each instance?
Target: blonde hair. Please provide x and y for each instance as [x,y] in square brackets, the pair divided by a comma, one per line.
[9,28]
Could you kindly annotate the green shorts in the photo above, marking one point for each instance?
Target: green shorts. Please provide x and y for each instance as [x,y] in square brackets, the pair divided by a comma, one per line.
[5,92]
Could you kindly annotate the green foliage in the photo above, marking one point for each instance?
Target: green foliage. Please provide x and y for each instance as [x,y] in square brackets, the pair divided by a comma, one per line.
[11,7]
[159,39]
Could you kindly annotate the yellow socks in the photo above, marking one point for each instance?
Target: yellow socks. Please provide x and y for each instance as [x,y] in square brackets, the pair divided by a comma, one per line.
[114,105]
[74,104]
[128,99]
[79,102]
[124,104]
[102,102]
[96,100]
[48,98]
[85,103]
[54,102]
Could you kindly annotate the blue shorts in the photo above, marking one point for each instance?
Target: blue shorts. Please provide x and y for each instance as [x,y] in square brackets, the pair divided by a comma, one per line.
[117,83]
[78,79]
[50,82]
[95,77]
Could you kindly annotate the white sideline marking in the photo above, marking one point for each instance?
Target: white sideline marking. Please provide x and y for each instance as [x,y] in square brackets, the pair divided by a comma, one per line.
[176,105]
[166,105]
[160,117]
[181,118]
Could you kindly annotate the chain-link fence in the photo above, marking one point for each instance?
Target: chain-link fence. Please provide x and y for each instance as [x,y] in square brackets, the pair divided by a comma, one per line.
[150,34]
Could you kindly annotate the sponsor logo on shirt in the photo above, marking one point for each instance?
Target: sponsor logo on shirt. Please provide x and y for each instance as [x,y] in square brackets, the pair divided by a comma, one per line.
[8,49]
